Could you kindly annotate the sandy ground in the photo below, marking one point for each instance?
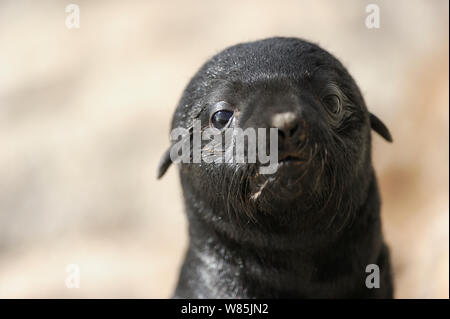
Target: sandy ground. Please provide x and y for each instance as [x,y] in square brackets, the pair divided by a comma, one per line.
[85,113]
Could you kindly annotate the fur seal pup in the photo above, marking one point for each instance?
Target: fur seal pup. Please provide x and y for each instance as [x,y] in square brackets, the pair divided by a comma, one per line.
[310,229]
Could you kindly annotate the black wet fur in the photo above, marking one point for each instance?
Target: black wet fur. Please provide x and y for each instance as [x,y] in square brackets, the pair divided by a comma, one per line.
[314,227]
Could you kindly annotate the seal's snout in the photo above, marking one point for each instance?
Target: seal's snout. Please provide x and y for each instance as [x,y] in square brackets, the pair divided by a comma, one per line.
[291,133]
[287,123]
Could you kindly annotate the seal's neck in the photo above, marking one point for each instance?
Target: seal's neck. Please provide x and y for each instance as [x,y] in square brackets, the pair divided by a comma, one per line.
[247,260]
[257,265]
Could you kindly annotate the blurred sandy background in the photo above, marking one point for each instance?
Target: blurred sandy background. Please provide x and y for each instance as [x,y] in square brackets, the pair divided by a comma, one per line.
[85,114]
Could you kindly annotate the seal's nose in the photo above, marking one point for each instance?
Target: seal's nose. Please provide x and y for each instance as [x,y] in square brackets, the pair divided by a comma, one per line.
[287,124]
[291,133]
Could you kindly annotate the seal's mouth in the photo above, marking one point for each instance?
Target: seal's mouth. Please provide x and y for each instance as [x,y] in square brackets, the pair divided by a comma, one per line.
[291,160]
[291,178]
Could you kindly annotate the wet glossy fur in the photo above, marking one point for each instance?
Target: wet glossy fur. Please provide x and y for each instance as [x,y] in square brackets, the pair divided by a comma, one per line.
[313,228]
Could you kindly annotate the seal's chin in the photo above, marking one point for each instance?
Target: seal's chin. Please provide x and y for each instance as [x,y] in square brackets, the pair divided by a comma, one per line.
[288,181]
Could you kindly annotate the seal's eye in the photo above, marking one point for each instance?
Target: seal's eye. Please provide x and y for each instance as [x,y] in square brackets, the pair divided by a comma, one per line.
[221,118]
[333,103]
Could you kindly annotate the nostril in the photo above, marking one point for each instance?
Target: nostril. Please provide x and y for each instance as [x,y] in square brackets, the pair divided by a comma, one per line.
[287,123]
[293,130]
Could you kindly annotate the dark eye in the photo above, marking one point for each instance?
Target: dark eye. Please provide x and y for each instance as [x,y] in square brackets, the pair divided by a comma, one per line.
[221,118]
[333,103]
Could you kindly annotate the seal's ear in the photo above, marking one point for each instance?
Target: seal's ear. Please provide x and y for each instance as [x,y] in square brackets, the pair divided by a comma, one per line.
[379,127]
[164,164]
[165,161]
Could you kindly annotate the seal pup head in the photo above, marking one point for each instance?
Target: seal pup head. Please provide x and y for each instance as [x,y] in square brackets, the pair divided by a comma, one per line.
[323,161]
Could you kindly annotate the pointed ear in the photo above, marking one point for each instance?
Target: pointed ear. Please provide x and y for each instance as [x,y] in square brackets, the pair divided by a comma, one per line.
[164,164]
[379,127]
